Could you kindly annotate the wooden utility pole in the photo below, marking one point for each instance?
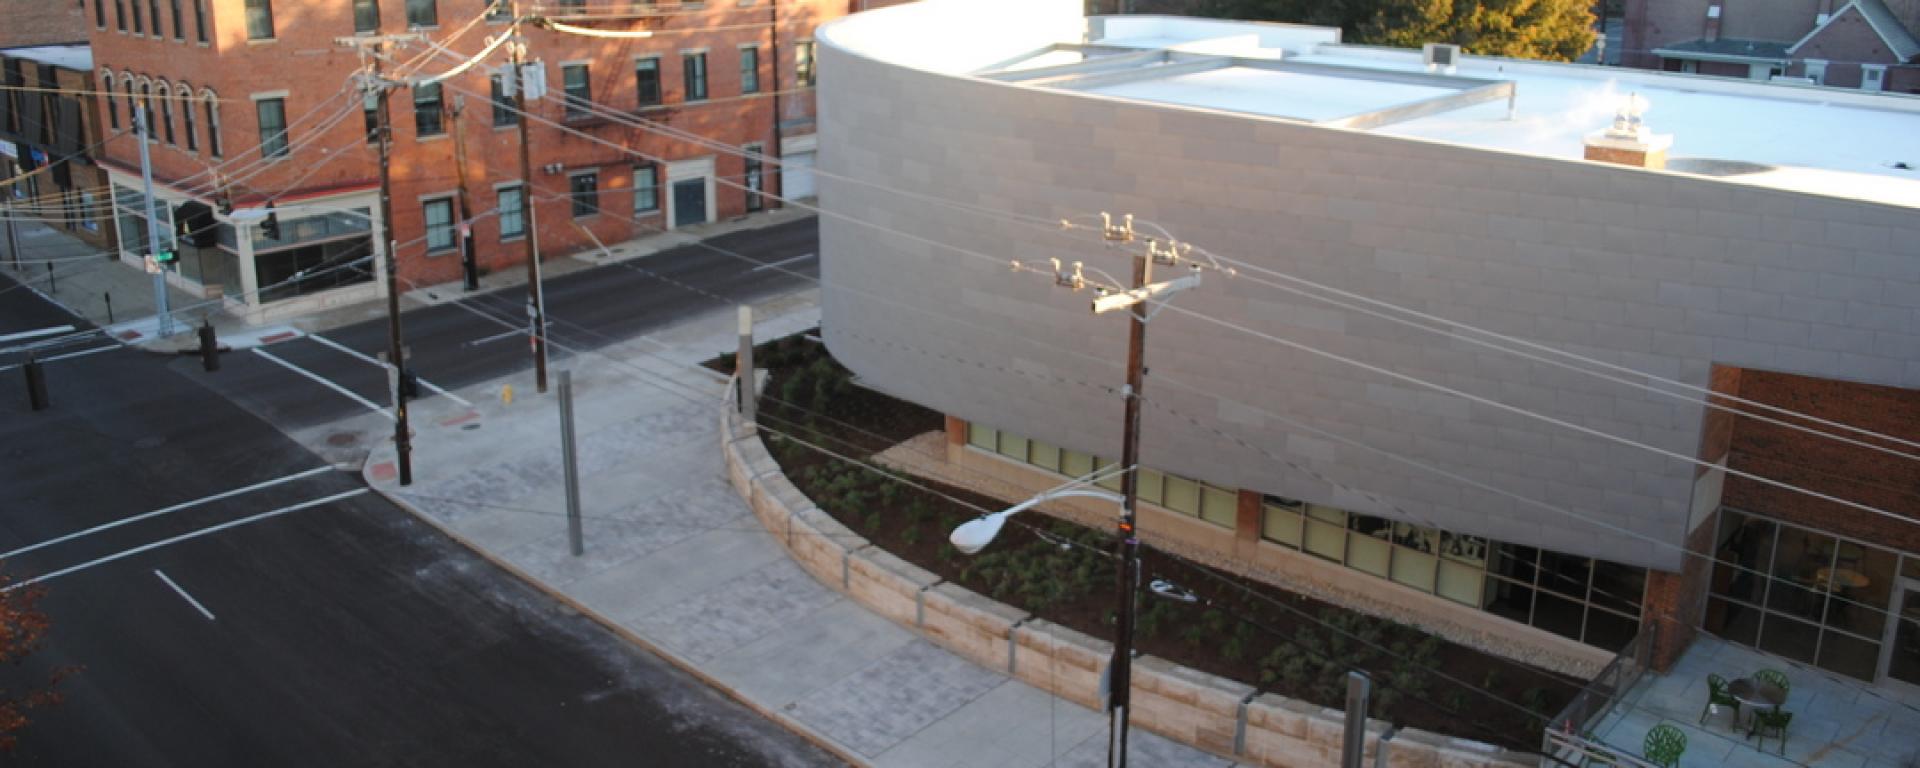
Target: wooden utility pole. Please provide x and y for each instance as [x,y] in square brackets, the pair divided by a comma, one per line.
[382,233]
[535,315]
[1137,302]
[778,153]
[469,259]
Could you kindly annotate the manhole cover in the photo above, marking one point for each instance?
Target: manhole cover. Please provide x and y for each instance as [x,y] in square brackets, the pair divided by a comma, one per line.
[343,438]
[471,427]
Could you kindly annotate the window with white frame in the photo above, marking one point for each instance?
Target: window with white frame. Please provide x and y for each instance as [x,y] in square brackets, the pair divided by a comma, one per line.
[646,189]
[513,212]
[438,214]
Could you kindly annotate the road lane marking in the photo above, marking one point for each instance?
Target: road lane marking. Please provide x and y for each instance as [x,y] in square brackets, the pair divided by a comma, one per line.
[182,537]
[67,356]
[184,596]
[326,383]
[48,331]
[168,510]
[782,263]
[495,337]
[376,361]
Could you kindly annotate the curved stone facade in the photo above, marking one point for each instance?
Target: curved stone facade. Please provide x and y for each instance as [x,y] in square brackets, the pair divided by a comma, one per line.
[1665,272]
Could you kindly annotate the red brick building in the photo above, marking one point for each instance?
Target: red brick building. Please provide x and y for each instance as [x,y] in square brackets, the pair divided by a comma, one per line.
[39,22]
[254,103]
[1865,44]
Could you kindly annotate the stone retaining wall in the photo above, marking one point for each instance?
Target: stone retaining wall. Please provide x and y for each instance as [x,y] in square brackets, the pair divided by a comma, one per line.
[1220,716]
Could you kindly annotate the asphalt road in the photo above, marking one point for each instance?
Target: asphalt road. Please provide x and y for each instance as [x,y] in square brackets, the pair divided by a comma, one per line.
[342,633]
[481,336]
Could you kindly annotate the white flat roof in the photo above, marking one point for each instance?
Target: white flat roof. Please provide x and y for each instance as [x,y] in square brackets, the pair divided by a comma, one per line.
[1827,141]
[1297,95]
[75,57]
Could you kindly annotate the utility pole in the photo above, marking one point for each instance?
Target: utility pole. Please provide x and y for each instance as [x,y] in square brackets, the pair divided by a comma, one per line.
[779,191]
[535,316]
[1127,546]
[382,233]
[161,312]
[469,260]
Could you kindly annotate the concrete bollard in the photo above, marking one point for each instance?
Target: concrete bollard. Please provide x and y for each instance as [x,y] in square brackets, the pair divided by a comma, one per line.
[209,347]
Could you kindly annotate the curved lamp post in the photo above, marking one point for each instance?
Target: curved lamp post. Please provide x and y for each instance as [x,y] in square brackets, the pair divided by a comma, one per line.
[974,535]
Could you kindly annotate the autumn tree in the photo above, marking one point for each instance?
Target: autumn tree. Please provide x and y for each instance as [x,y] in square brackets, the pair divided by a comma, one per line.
[22,627]
[1557,30]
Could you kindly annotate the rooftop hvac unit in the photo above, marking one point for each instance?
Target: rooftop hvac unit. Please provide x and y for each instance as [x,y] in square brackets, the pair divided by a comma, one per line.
[1441,56]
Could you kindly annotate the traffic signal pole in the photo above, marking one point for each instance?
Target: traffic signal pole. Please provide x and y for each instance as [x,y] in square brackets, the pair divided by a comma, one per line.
[161,312]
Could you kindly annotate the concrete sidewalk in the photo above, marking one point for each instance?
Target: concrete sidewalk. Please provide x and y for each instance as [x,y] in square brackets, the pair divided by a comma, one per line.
[678,564]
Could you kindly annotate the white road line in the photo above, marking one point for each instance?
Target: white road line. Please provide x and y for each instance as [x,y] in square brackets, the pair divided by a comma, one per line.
[174,508]
[49,331]
[326,383]
[495,337]
[782,263]
[376,361]
[180,538]
[67,356]
[184,596]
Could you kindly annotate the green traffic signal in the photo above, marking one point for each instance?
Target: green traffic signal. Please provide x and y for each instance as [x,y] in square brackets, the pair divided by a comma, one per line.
[166,257]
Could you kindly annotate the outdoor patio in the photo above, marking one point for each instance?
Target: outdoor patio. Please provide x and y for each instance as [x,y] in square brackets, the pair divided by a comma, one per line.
[1837,721]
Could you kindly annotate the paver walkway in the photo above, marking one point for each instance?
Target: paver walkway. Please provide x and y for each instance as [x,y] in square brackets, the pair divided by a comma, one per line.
[1836,722]
[676,560]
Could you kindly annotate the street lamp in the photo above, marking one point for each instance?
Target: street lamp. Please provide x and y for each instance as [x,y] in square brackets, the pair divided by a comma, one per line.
[978,532]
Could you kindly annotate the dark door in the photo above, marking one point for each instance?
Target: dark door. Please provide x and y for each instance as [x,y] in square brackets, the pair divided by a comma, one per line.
[689,202]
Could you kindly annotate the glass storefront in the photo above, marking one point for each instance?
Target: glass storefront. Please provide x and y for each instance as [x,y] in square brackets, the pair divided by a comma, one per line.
[1803,594]
[1592,601]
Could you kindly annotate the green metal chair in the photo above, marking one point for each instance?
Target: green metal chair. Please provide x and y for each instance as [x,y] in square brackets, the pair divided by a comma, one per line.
[1664,746]
[1772,722]
[1774,677]
[1717,696]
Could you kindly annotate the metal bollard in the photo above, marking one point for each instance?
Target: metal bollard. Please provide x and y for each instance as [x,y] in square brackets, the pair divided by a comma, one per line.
[36,383]
[209,347]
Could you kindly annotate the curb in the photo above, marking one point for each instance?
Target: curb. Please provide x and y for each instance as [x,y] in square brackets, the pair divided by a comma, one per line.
[798,728]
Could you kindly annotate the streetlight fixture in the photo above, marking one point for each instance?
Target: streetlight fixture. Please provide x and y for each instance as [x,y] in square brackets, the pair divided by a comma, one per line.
[974,535]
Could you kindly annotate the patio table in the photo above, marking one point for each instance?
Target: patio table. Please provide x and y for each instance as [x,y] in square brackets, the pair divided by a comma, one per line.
[1754,695]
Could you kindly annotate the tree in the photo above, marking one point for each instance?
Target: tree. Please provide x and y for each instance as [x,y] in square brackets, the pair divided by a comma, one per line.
[1558,30]
[22,627]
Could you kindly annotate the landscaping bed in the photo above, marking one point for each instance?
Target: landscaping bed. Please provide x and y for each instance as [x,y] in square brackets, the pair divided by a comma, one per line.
[1258,634]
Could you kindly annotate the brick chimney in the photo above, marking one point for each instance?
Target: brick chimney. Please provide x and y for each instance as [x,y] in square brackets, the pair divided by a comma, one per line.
[1712,32]
[1628,141]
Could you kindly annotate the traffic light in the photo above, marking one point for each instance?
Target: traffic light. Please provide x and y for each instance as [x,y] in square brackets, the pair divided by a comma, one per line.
[226,205]
[166,256]
[271,226]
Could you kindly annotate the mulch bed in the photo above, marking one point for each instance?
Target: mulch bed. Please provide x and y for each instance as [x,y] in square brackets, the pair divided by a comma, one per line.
[1252,632]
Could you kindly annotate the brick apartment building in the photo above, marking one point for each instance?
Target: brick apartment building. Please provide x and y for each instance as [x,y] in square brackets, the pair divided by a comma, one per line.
[45,136]
[264,112]
[39,22]
[1865,44]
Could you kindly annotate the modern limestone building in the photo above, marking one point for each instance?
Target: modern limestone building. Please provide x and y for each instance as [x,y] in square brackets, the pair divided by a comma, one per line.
[1759,232]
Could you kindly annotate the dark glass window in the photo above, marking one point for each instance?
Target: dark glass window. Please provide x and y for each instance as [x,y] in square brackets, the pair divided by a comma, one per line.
[579,89]
[423,13]
[694,69]
[273,126]
[646,189]
[187,127]
[585,189]
[213,127]
[113,106]
[513,213]
[366,15]
[439,219]
[750,70]
[166,116]
[139,27]
[120,14]
[646,76]
[100,13]
[502,106]
[179,24]
[200,20]
[428,120]
[259,19]
[803,63]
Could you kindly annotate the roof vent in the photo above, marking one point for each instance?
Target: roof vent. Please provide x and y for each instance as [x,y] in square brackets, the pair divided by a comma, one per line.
[1441,56]
[1628,141]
